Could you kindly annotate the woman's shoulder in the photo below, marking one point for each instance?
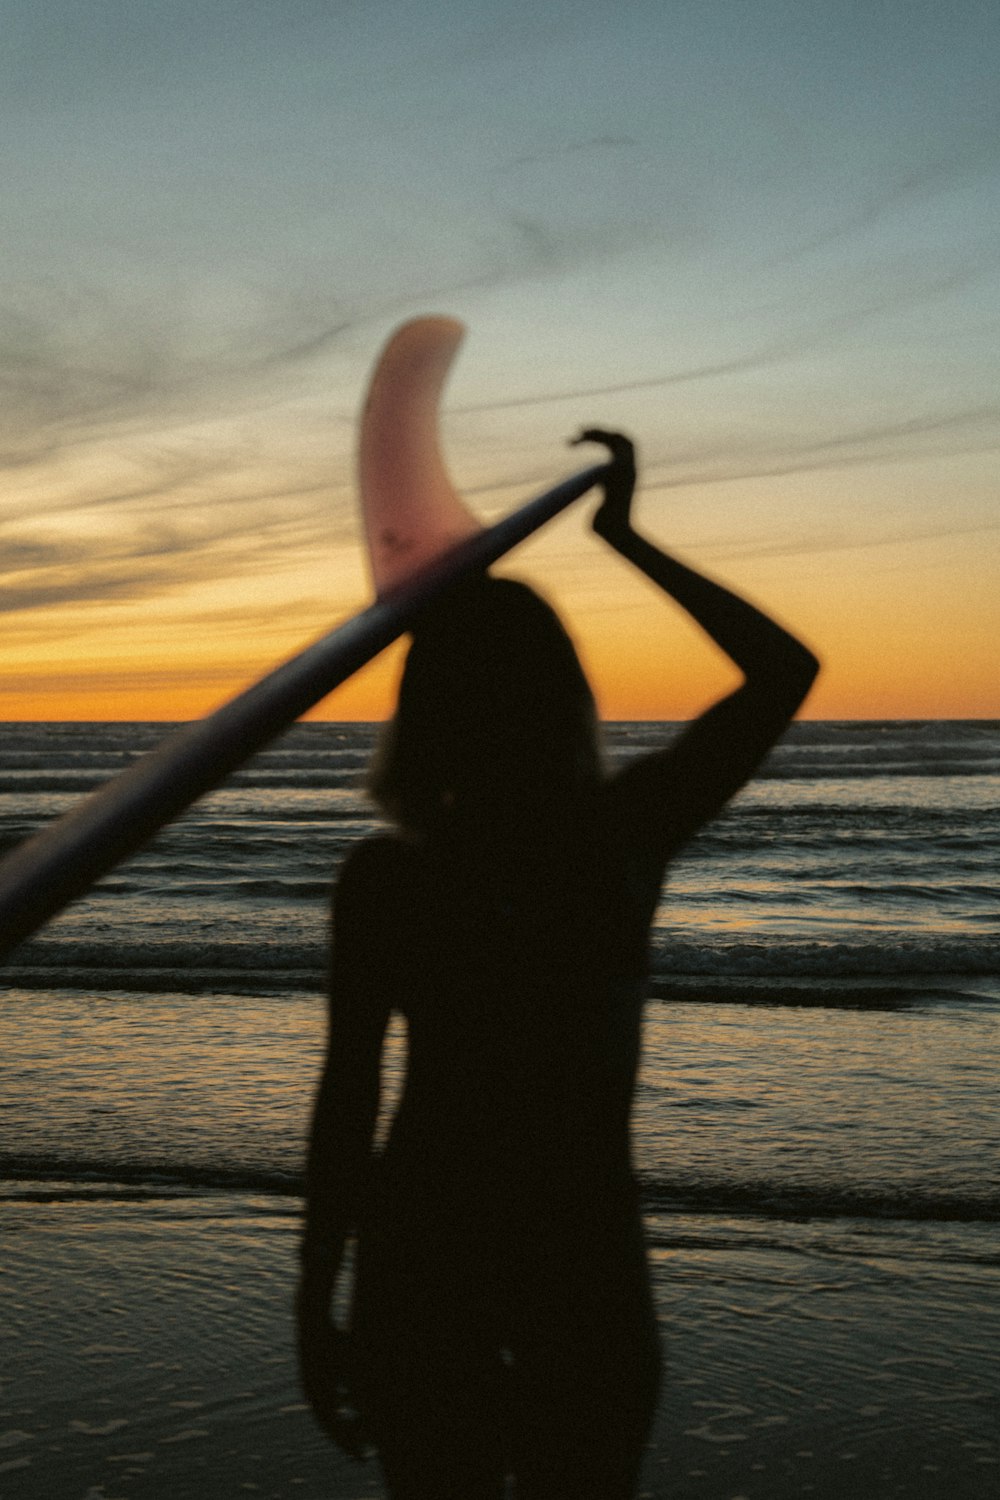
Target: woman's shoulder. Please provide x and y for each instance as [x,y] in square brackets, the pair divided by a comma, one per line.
[374,866]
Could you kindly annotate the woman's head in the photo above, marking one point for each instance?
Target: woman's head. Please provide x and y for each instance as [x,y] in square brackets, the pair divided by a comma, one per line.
[494,715]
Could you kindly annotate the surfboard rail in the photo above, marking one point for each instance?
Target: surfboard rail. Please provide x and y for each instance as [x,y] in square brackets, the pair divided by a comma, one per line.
[66,857]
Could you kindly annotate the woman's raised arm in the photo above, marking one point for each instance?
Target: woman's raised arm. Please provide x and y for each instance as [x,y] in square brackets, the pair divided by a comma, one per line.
[670,795]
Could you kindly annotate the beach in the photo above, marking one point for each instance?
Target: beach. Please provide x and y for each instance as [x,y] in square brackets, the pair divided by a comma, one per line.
[816,1136]
[148,1354]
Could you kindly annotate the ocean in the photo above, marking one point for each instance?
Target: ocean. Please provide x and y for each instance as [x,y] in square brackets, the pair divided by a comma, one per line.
[817,1099]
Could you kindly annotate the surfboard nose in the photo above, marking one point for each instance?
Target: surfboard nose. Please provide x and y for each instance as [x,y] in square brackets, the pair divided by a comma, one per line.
[410,507]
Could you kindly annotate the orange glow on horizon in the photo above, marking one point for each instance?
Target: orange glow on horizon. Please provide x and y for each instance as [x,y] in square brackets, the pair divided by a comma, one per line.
[625,689]
[904,635]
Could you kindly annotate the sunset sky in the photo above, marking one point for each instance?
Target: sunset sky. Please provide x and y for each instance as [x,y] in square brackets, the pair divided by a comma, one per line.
[763,236]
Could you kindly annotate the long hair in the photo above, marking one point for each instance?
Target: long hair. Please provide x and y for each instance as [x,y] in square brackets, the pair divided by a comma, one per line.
[495,718]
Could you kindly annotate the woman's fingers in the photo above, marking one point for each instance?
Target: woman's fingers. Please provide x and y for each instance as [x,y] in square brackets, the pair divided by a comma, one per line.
[620,445]
[326,1386]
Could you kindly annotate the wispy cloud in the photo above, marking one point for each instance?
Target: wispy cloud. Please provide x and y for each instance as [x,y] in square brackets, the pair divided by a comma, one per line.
[117,680]
[138,560]
[806,545]
[971,429]
[941,174]
[905,294]
[135,465]
[79,364]
[595,143]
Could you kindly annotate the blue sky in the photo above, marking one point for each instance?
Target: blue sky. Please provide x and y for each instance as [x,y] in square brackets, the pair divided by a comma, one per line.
[765,237]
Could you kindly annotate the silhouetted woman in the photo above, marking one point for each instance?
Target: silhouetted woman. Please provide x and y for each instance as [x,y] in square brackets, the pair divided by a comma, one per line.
[501,1318]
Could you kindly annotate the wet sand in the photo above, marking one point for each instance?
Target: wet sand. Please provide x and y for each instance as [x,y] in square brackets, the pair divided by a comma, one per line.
[148,1354]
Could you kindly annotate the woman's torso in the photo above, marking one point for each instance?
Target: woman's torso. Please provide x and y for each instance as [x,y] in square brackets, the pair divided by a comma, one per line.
[518,964]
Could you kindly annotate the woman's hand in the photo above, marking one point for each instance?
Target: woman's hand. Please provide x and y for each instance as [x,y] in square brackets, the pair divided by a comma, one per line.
[324,1375]
[611,519]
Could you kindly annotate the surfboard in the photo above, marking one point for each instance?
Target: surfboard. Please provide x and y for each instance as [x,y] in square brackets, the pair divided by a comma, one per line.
[421,540]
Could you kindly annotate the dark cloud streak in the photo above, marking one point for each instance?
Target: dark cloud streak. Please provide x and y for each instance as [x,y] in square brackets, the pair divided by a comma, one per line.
[807,546]
[157,559]
[920,185]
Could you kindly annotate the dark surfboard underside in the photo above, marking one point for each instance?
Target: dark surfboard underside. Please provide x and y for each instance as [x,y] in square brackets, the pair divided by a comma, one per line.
[60,863]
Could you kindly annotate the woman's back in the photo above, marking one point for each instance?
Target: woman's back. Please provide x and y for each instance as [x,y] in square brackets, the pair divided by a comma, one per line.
[518,965]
